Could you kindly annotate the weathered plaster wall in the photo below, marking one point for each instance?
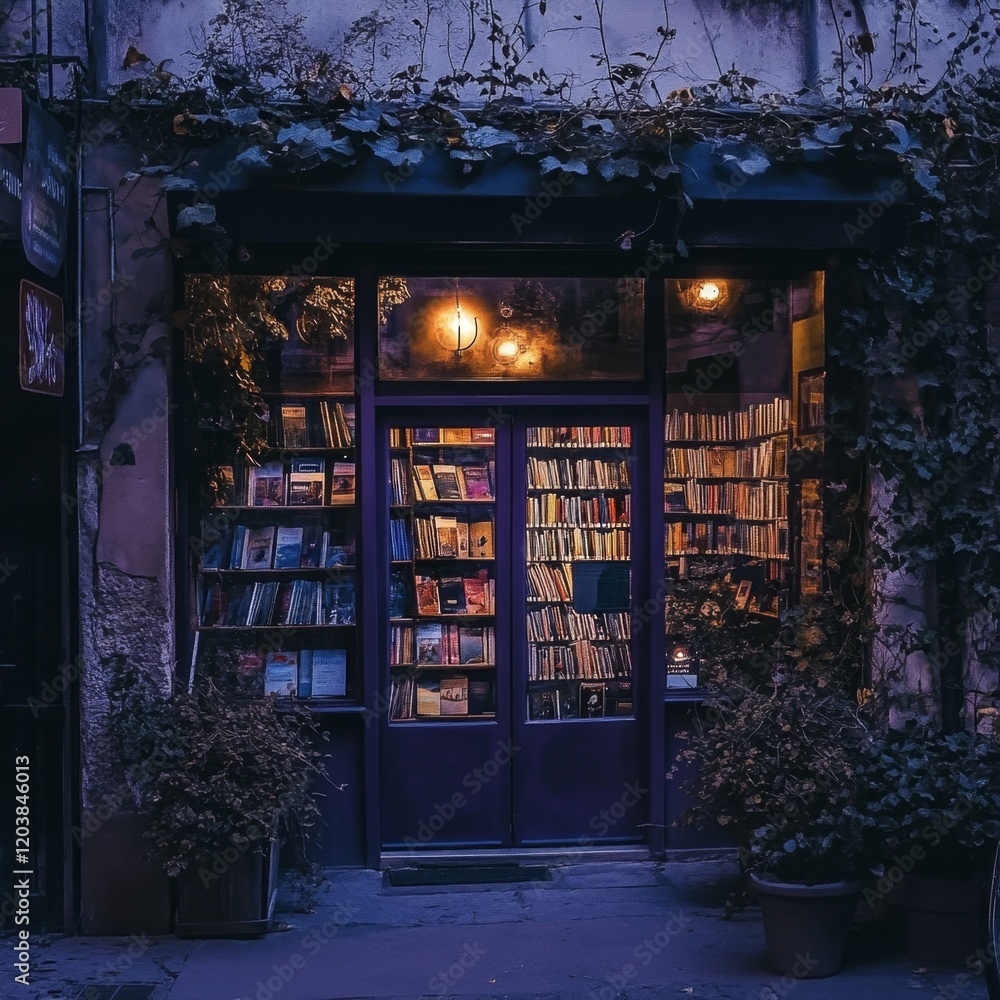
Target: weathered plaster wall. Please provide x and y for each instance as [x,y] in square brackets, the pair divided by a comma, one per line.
[768,41]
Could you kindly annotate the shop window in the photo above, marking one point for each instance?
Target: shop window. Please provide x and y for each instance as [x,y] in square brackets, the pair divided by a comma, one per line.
[744,428]
[510,328]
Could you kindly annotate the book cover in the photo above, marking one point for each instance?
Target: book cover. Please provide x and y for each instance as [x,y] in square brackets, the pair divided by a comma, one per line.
[475,480]
[481,700]
[281,674]
[743,594]
[462,528]
[225,487]
[305,673]
[259,548]
[481,539]
[424,481]
[452,593]
[342,483]
[470,646]
[426,435]
[429,644]
[446,482]
[339,555]
[267,485]
[311,540]
[249,661]
[306,481]
[476,601]
[541,705]
[428,697]
[446,529]
[428,602]
[457,435]
[339,601]
[294,431]
[483,435]
[454,695]
[288,547]
[329,673]
[591,701]
[623,704]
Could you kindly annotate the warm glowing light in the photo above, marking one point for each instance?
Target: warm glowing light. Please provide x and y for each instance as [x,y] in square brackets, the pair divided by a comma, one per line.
[507,349]
[456,332]
[709,291]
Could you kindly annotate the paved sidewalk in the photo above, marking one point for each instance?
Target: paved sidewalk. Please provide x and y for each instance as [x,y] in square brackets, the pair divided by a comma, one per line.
[600,931]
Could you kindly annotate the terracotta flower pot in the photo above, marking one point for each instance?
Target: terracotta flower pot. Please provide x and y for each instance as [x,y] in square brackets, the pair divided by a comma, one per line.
[806,926]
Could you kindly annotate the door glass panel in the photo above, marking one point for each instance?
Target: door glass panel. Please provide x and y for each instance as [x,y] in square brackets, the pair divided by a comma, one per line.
[442,579]
[510,328]
[577,550]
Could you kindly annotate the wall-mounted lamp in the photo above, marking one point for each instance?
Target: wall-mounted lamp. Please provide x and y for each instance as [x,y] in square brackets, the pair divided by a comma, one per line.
[506,345]
[451,334]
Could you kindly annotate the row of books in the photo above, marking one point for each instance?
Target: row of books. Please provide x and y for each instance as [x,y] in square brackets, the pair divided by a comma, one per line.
[764,541]
[313,424]
[435,644]
[583,473]
[276,547]
[294,602]
[579,659]
[753,501]
[412,697]
[306,673]
[456,595]
[576,700]
[472,481]
[400,539]
[578,543]
[446,537]
[734,425]
[401,437]
[557,509]
[556,623]
[766,458]
[304,484]
[579,437]
[550,582]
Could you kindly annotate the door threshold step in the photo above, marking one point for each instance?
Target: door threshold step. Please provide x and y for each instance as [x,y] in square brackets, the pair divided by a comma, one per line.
[539,855]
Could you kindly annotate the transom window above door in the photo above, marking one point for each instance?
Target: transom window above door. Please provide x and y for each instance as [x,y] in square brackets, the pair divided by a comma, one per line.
[510,328]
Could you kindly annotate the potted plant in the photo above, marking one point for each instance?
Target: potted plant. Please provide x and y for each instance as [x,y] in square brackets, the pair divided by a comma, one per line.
[779,766]
[220,774]
[934,802]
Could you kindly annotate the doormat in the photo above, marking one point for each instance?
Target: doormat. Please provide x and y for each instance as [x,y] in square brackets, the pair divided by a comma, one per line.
[466,875]
[118,991]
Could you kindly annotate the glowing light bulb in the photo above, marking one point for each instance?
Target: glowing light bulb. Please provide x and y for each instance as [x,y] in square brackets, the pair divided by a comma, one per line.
[507,349]
[709,291]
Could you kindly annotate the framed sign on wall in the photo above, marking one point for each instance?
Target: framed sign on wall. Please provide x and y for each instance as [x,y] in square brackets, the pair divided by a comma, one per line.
[42,353]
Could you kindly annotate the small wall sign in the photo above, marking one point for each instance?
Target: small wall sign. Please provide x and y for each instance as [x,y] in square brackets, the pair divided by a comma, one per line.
[11,115]
[42,341]
[44,192]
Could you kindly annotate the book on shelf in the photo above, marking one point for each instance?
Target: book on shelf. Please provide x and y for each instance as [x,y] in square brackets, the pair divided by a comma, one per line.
[225,487]
[400,539]
[426,435]
[259,549]
[474,482]
[446,531]
[288,547]
[325,672]
[294,432]
[429,644]
[281,674]
[623,698]
[342,483]
[306,482]
[446,482]
[399,471]
[428,602]
[423,480]
[339,603]
[338,556]
[591,701]
[400,595]
[451,594]
[743,594]
[428,696]
[249,661]
[541,704]
[471,645]
[454,693]
[338,420]
[457,435]
[483,435]
[482,696]
[266,485]
[481,539]
[477,593]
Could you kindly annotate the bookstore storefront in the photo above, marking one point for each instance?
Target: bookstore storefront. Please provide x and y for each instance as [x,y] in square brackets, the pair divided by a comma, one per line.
[476,474]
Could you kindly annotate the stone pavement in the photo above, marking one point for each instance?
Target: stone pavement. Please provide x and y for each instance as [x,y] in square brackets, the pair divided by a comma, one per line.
[597,931]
